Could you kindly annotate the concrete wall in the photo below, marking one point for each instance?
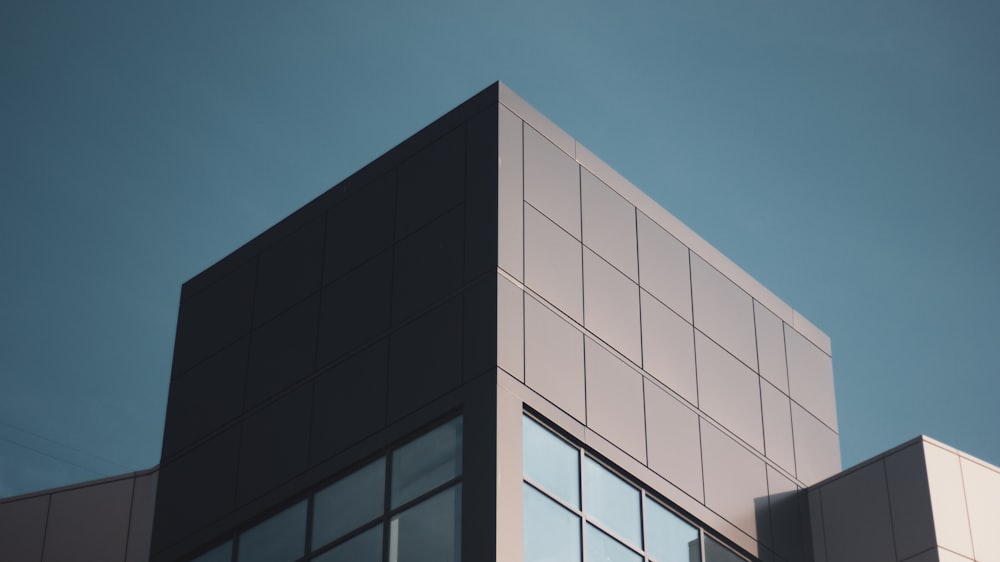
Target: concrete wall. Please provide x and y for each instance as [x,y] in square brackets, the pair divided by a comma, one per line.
[643,334]
[920,502]
[102,521]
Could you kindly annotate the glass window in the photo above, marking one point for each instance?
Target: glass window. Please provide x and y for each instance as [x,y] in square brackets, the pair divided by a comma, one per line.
[551,532]
[221,553]
[282,537]
[668,537]
[550,462]
[603,548]
[612,502]
[428,461]
[366,547]
[348,503]
[717,552]
[429,531]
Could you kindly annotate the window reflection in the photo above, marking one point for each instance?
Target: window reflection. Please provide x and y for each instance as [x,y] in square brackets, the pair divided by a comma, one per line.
[366,547]
[349,503]
[551,532]
[668,537]
[280,538]
[602,548]
[221,553]
[429,531]
[551,462]
[717,552]
[612,502]
[426,462]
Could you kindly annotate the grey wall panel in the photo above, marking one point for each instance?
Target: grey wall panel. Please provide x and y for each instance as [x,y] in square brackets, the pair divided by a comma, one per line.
[360,227]
[611,306]
[553,359]
[510,195]
[729,391]
[982,495]
[89,524]
[22,528]
[609,225]
[673,441]
[910,501]
[140,528]
[355,309]
[817,448]
[431,182]
[947,497]
[664,268]
[210,395]
[668,348]
[196,489]
[854,533]
[428,266]
[614,400]
[215,317]
[944,555]
[510,327]
[723,311]
[552,181]
[275,444]
[349,402]
[283,351]
[553,263]
[777,413]
[770,347]
[289,271]
[741,500]
[788,511]
[810,377]
[425,359]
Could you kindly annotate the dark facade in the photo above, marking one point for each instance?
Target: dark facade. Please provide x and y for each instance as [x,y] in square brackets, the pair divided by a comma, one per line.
[489,345]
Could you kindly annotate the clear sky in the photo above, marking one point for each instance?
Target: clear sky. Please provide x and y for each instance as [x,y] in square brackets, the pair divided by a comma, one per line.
[846,154]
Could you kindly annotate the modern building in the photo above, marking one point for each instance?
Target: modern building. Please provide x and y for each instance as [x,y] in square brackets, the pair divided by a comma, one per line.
[488,345]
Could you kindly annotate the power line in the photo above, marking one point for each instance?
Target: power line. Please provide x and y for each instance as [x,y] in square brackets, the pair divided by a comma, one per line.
[43,453]
[61,444]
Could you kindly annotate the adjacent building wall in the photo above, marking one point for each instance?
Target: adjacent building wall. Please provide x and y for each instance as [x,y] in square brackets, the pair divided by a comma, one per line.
[920,502]
[101,521]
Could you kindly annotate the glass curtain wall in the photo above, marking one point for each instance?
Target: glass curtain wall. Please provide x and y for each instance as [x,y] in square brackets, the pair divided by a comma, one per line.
[578,510]
[402,507]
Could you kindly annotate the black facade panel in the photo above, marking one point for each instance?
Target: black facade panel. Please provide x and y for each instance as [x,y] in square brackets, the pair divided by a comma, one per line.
[355,308]
[196,489]
[428,266]
[289,271]
[275,444]
[480,328]
[425,359]
[481,195]
[206,398]
[283,351]
[361,226]
[214,318]
[431,182]
[349,403]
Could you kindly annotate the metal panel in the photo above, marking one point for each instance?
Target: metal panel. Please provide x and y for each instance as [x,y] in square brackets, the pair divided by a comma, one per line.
[741,500]
[810,377]
[427,266]
[947,499]
[140,527]
[355,309]
[89,523]
[673,441]
[777,413]
[360,227]
[275,444]
[770,347]
[553,359]
[510,327]
[664,266]
[552,181]
[723,311]
[289,271]
[22,528]
[982,495]
[787,510]
[729,391]
[912,520]
[668,348]
[510,195]
[553,263]
[611,306]
[609,225]
[857,518]
[431,182]
[817,447]
[614,400]
[283,351]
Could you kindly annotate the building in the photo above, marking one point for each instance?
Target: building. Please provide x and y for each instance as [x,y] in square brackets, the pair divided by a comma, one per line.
[487,344]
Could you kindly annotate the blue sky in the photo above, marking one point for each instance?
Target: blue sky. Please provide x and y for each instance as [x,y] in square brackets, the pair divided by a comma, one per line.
[845,154]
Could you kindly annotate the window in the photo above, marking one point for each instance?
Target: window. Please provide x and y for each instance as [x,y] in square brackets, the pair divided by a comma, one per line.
[576,509]
[352,521]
